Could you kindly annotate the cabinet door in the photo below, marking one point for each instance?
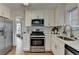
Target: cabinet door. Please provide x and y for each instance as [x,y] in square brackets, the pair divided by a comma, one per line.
[26,42]
[34,16]
[37,14]
[53,43]
[46,17]
[59,47]
[40,14]
[28,17]
[6,13]
[47,42]
[51,21]
[59,16]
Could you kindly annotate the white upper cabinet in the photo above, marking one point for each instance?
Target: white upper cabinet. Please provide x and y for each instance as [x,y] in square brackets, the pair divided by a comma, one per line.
[59,15]
[51,18]
[34,14]
[4,11]
[28,17]
[37,14]
[47,15]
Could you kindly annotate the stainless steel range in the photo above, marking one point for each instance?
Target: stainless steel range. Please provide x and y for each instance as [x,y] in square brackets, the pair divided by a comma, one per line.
[37,41]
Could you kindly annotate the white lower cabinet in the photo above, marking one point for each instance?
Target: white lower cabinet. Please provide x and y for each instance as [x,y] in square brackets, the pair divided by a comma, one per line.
[47,42]
[52,44]
[57,46]
[26,42]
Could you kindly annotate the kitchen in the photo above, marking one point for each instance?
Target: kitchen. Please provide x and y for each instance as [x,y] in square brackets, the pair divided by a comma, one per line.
[42,28]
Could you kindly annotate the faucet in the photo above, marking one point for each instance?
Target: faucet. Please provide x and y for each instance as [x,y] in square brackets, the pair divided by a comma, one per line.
[68,28]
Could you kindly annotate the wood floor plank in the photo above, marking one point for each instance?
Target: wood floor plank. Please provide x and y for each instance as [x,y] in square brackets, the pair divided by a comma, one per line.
[13,52]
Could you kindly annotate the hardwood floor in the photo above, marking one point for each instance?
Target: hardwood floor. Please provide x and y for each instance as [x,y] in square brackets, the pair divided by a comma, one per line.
[13,52]
[45,53]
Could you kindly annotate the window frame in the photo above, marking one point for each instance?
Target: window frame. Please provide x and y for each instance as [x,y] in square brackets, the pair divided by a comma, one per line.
[70,16]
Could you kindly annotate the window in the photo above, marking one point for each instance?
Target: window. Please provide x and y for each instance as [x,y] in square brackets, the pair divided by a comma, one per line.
[73,17]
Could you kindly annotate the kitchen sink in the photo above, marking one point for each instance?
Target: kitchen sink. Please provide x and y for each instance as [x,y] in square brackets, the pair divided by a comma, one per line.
[65,38]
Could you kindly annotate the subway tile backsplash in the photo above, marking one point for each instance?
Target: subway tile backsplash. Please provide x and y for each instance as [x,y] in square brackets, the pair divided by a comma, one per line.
[47,30]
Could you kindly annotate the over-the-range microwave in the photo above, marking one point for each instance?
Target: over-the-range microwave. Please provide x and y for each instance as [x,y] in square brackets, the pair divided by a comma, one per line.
[37,22]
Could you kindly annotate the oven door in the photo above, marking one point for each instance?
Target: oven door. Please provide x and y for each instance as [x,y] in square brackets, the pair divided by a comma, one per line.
[37,42]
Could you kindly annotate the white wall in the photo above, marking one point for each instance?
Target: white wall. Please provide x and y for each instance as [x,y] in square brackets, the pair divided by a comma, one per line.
[15,14]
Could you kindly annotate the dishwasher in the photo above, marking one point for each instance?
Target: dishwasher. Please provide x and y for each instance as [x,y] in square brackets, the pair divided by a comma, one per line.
[70,51]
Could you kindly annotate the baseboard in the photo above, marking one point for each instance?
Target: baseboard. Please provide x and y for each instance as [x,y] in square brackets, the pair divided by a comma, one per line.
[49,52]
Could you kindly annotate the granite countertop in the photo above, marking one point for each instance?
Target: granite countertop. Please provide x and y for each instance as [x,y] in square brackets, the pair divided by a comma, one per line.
[74,44]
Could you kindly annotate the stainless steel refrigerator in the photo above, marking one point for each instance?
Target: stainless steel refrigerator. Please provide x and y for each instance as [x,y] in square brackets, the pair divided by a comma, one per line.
[6,35]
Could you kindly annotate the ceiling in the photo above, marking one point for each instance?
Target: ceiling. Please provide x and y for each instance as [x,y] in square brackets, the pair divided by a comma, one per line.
[19,6]
[13,6]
